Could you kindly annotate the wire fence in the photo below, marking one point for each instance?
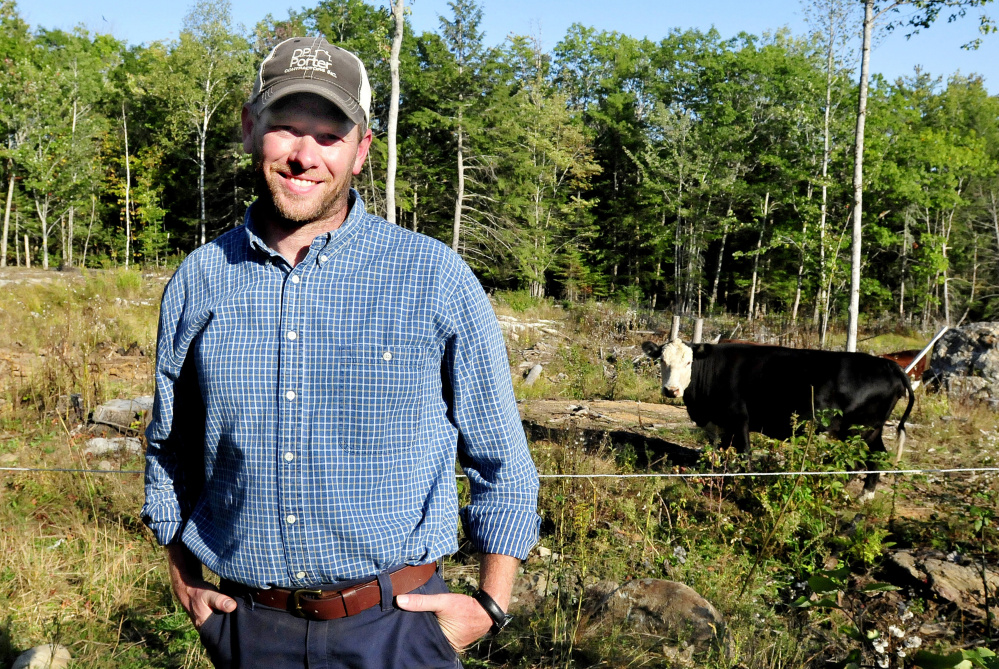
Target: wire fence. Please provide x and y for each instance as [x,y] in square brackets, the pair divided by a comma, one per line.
[658,475]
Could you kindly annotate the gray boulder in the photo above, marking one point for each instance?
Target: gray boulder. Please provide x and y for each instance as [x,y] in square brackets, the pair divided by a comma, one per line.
[653,606]
[49,656]
[122,413]
[954,578]
[100,446]
[966,361]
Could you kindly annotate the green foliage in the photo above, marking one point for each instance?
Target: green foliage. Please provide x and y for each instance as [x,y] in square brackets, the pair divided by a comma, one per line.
[667,171]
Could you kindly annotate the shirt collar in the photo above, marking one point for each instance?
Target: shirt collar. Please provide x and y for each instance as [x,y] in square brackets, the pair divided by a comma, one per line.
[347,230]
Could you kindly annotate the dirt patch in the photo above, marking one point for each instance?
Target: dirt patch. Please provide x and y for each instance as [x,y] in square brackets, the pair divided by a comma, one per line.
[658,432]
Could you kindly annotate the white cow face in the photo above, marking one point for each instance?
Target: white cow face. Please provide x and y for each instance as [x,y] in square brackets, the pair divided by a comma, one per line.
[675,359]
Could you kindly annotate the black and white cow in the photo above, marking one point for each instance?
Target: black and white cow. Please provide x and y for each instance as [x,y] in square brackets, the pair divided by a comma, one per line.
[740,388]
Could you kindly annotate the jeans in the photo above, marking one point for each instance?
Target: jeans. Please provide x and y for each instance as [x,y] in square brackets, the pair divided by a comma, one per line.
[382,637]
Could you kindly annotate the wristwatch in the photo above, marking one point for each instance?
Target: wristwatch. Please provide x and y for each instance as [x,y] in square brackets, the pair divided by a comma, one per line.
[500,619]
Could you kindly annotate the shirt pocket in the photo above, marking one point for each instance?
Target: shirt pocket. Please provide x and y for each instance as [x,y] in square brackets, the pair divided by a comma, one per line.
[379,391]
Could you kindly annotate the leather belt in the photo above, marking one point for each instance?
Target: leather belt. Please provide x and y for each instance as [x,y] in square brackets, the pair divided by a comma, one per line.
[329,604]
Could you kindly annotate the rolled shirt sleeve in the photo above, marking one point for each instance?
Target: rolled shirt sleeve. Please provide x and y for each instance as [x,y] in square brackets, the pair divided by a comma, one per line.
[502,516]
[174,467]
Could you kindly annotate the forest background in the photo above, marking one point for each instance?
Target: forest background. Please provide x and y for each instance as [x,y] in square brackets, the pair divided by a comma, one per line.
[698,172]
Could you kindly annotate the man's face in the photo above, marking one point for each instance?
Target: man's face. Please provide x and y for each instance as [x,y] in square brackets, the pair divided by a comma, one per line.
[305,152]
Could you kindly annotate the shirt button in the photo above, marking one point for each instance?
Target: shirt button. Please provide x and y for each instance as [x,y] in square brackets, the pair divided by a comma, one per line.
[386,356]
[289,456]
[300,575]
[290,395]
[291,519]
[292,335]
[322,259]
[295,279]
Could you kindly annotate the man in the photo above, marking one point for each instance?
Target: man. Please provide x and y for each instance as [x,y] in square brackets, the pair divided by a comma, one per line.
[318,371]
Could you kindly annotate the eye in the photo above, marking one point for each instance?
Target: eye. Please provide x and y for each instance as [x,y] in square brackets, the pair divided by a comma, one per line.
[328,139]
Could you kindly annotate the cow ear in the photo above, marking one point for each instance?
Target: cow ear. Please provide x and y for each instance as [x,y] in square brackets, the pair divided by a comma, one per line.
[701,351]
[652,349]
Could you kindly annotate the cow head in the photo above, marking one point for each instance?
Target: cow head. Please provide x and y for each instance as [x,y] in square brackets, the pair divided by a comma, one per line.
[675,359]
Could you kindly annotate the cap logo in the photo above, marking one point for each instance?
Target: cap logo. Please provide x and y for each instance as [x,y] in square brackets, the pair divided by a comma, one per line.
[309,59]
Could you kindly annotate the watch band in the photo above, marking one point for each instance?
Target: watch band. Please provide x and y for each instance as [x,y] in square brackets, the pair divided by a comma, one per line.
[500,619]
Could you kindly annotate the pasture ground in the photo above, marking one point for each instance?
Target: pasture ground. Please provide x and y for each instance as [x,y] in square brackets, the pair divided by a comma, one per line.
[78,567]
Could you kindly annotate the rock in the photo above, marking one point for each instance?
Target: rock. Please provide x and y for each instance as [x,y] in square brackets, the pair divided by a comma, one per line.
[133,350]
[67,404]
[533,375]
[122,413]
[49,656]
[653,606]
[100,446]
[529,591]
[966,361]
[954,580]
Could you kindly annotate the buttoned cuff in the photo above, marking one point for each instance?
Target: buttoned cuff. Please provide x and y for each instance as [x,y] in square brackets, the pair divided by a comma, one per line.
[166,532]
[510,532]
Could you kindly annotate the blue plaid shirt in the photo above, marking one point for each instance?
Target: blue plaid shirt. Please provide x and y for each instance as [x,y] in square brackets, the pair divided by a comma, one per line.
[308,418]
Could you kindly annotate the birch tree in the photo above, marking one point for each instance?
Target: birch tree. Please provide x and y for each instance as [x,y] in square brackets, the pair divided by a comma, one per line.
[925,13]
[398,13]
[212,67]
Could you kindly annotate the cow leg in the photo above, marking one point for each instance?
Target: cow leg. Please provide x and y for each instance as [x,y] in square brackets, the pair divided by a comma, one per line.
[875,444]
[740,437]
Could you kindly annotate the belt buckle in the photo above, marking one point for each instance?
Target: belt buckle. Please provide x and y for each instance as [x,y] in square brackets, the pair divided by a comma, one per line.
[296,598]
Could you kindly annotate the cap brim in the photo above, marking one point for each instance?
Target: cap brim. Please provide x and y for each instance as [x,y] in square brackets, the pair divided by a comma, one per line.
[344,102]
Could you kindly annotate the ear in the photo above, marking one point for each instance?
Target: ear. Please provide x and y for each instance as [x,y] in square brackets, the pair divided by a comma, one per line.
[248,121]
[701,351]
[652,350]
[363,144]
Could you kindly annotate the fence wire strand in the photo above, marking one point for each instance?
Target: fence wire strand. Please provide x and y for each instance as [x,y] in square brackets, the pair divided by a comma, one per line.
[657,475]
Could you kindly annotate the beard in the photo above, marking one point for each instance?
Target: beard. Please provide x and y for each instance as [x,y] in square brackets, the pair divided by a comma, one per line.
[289,210]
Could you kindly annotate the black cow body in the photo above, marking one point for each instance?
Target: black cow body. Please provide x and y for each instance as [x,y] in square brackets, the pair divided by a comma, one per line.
[742,388]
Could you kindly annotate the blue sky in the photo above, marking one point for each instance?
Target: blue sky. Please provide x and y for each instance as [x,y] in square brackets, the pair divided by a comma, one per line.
[937,50]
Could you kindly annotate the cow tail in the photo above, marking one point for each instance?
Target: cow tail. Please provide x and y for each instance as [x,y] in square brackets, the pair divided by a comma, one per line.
[908,409]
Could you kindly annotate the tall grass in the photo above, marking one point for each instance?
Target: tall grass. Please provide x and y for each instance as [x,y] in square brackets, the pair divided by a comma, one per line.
[77,567]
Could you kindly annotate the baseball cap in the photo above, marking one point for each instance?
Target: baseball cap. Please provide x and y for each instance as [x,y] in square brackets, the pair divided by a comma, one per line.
[313,65]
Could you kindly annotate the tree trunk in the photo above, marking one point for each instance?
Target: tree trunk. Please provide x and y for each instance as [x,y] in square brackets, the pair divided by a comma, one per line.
[797,291]
[756,258]
[721,255]
[994,210]
[201,178]
[905,265]
[128,182]
[537,289]
[858,181]
[43,219]
[821,300]
[69,237]
[27,252]
[6,219]
[90,228]
[398,7]
[414,207]
[67,248]
[460,194]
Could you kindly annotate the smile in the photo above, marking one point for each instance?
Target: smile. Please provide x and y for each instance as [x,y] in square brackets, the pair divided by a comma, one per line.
[300,185]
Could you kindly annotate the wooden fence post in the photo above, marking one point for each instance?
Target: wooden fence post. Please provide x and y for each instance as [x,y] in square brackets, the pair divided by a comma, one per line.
[698,331]
[674,330]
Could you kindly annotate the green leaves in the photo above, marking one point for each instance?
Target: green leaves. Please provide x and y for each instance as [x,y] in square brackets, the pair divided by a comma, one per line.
[962,659]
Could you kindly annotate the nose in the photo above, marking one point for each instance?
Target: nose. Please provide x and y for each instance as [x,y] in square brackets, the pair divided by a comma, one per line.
[671,391]
[305,152]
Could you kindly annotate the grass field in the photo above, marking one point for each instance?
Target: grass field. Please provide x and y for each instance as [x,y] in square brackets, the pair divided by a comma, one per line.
[77,567]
